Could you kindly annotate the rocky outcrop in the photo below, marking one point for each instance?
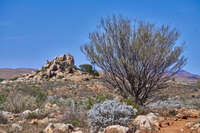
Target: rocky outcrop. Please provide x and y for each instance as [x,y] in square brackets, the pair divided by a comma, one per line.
[60,68]
[62,64]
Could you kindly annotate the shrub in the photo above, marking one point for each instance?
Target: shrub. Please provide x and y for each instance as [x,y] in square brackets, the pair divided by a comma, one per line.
[16,103]
[38,115]
[40,97]
[3,98]
[135,56]
[60,77]
[1,79]
[97,99]
[131,102]
[89,69]
[75,114]
[110,112]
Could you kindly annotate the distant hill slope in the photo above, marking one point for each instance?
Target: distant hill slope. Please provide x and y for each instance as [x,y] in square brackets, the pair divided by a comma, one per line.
[186,76]
[8,73]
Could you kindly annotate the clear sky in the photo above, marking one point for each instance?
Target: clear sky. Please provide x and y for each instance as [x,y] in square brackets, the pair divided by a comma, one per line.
[32,31]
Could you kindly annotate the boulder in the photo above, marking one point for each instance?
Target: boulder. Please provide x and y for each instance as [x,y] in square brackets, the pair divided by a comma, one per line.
[147,121]
[153,119]
[2,131]
[69,59]
[16,127]
[116,129]
[58,127]
[143,122]
[26,113]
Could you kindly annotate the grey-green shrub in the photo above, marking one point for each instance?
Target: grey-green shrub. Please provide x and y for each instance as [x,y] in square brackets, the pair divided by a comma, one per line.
[110,112]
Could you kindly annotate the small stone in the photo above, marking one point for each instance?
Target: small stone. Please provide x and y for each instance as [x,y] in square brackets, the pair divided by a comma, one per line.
[189,124]
[143,122]
[116,129]
[59,127]
[16,127]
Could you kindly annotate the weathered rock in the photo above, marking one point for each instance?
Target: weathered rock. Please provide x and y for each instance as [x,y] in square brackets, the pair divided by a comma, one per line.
[196,126]
[147,121]
[69,59]
[58,127]
[116,129]
[39,122]
[189,124]
[26,113]
[2,131]
[143,122]
[7,115]
[77,132]
[153,119]
[50,106]
[16,127]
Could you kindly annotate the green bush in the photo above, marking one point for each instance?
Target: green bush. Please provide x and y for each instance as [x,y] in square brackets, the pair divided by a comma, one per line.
[76,122]
[1,79]
[99,98]
[89,69]
[3,98]
[41,115]
[60,77]
[131,102]
[41,96]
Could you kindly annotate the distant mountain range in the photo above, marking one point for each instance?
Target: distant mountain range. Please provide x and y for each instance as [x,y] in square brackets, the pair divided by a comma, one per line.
[184,75]
[9,73]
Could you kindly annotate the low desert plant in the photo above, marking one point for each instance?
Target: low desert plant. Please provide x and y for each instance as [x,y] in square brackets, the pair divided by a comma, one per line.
[75,114]
[89,69]
[1,79]
[97,99]
[3,98]
[60,77]
[110,112]
[40,97]
[38,115]
[16,103]
[131,102]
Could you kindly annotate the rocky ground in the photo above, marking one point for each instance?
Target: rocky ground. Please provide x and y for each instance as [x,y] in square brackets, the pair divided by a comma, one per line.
[57,98]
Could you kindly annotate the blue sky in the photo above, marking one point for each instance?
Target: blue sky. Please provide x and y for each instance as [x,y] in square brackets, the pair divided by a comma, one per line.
[32,31]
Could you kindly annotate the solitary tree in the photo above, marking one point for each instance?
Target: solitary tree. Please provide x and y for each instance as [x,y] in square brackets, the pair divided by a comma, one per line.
[136,57]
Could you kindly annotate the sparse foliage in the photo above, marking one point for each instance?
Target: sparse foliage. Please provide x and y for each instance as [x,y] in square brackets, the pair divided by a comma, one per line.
[110,112]
[16,102]
[138,58]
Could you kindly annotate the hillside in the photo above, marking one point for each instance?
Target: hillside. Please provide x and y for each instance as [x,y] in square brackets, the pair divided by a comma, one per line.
[8,73]
[186,76]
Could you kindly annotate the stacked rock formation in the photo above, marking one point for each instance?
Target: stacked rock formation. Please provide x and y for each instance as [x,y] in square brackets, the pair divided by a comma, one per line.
[65,64]
[59,68]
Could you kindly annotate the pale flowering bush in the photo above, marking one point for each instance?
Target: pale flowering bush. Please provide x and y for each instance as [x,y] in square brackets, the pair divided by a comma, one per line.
[110,112]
